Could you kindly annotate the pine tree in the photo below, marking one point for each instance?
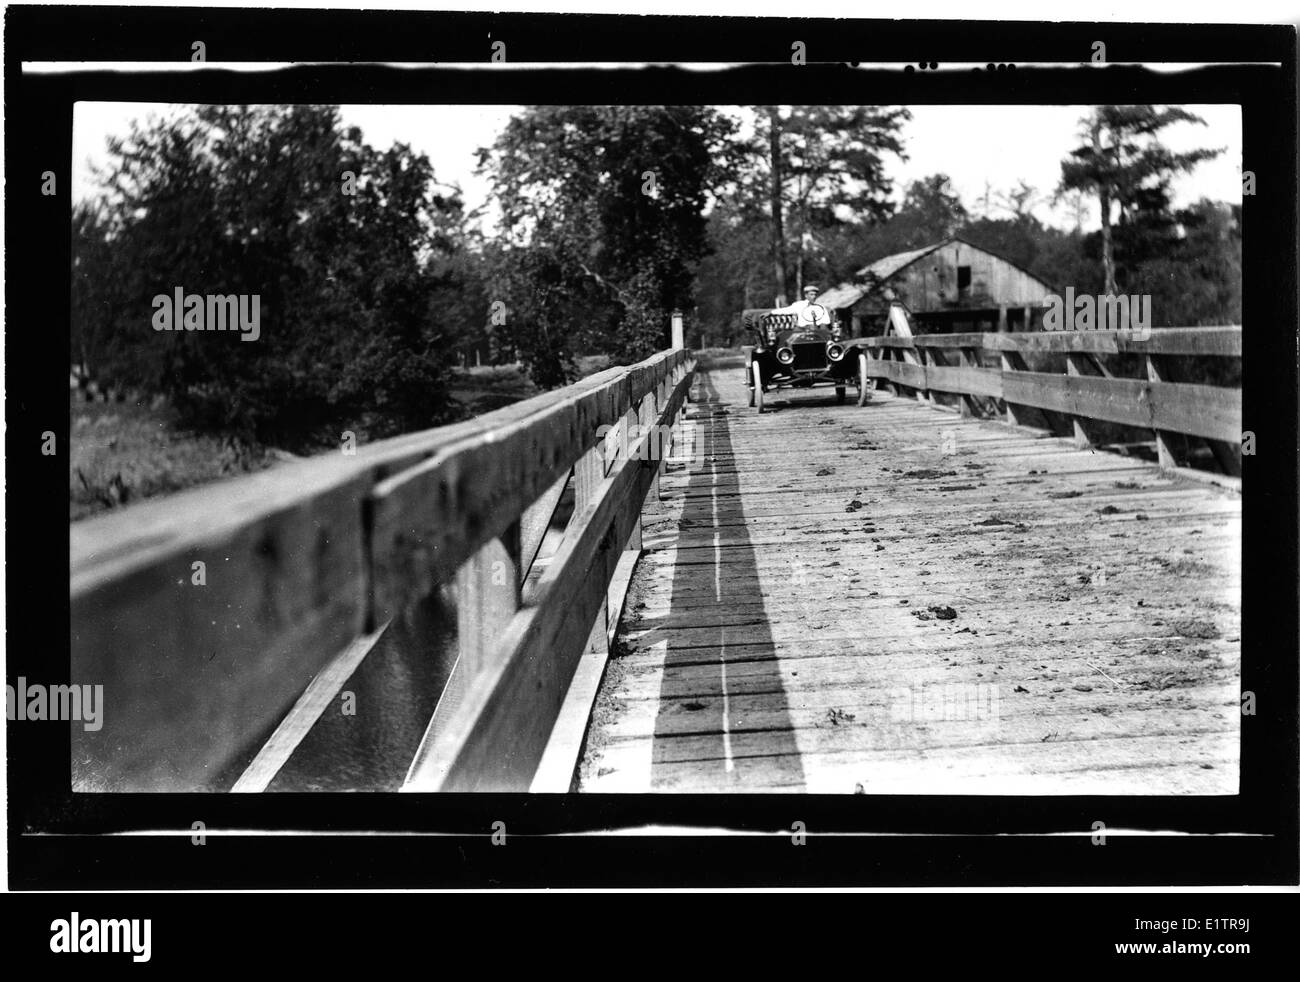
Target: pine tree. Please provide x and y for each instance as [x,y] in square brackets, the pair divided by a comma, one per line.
[1122,162]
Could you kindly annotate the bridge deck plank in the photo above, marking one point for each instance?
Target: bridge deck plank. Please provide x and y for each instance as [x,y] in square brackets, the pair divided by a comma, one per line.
[772,641]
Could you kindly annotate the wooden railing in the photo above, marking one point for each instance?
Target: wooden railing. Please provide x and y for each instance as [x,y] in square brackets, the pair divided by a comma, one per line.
[1088,390]
[223,621]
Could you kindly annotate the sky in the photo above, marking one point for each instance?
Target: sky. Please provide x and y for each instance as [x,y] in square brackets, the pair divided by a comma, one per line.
[971,144]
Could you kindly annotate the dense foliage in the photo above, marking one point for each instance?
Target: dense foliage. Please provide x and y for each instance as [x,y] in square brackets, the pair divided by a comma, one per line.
[602,225]
[610,217]
[348,249]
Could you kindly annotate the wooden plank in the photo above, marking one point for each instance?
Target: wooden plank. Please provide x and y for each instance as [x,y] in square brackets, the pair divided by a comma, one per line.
[500,731]
[951,341]
[555,773]
[1223,341]
[536,520]
[1099,766]
[1099,365]
[487,596]
[589,475]
[746,614]
[900,372]
[886,341]
[1226,454]
[967,380]
[198,662]
[1197,410]
[1013,413]
[927,358]
[306,711]
[969,358]
[1164,448]
[1078,423]
[563,749]
[110,546]
[429,518]
[197,668]
[497,736]
[1220,341]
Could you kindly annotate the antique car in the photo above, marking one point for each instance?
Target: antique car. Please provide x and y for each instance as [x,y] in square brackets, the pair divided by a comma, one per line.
[788,355]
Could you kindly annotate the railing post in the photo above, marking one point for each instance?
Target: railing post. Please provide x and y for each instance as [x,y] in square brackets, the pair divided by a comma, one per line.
[679,331]
[663,441]
[968,359]
[1164,450]
[632,430]
[588,473]
[1009,359]
[1072,367]
[487,596]
[534,523]
[923,394]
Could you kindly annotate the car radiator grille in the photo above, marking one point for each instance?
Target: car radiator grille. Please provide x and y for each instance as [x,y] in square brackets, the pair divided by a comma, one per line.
[810,356]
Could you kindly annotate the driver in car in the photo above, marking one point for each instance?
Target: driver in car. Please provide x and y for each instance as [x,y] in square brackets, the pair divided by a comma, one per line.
[808,312]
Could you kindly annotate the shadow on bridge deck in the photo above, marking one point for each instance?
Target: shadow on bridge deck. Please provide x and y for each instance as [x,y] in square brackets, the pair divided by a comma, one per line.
[900,600]
[700,742]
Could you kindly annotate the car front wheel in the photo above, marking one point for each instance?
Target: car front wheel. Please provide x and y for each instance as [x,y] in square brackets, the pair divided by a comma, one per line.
[864,383]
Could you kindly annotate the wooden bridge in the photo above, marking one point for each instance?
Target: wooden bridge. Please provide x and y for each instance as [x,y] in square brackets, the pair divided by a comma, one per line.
[950,590]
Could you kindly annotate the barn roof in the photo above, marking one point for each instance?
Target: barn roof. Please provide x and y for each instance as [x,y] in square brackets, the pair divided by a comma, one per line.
[844,295]
[887,266]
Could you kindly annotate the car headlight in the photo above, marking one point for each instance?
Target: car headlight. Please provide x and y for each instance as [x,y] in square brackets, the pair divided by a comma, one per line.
[785,356]
[834,351]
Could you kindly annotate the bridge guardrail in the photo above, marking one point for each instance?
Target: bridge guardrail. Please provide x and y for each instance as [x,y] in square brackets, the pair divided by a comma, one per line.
[952,363]
[305,566]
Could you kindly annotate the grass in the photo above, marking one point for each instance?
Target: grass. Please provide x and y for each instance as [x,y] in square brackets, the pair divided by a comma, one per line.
[123,452]
[481,390]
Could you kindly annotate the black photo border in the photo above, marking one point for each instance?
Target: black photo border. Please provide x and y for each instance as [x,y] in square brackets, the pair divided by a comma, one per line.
[61,840]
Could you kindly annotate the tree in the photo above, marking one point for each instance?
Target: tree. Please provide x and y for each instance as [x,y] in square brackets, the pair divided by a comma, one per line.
[821,167]
[736,275]
[257,201]
[98,301]
[1123,163]
[602,225]
[931,212]
[1196,279]
[776,198]
[1020,201]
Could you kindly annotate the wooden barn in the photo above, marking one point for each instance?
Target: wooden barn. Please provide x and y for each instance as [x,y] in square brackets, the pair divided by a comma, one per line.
[950,287]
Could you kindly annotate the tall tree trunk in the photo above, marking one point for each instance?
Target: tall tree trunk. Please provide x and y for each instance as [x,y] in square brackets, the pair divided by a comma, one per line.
[778,225]
[1103,194]
[1107,254]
